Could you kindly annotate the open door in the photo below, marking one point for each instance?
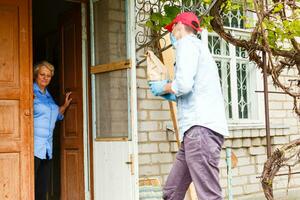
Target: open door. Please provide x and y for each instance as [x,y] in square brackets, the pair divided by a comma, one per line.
[114,139]
[16,96]
[72,164]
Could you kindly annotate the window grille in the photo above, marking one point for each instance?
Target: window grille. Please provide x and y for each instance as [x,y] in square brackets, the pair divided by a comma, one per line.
[236,76]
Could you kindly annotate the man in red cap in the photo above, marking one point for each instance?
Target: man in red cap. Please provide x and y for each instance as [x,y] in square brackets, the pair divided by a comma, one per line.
[201,113]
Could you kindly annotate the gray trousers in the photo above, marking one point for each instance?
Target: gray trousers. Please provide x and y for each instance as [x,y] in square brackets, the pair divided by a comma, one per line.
[196,161]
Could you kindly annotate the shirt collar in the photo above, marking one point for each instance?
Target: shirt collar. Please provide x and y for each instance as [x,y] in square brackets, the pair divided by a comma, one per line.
[184,38]
[189,36]
[37,88]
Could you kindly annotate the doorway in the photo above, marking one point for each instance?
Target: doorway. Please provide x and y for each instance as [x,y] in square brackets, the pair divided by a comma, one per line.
[56,27]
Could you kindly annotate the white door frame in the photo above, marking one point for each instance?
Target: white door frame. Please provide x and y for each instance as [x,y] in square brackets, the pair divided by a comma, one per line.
[134,118]
[85,103]
[130,11]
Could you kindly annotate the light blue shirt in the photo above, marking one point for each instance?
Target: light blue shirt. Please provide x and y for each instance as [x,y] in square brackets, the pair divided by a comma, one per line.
[197,88]
[45,114]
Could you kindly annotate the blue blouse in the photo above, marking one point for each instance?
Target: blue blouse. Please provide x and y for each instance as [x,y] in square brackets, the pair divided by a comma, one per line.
[45,114]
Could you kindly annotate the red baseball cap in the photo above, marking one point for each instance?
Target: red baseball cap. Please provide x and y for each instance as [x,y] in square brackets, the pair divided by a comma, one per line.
[187,18]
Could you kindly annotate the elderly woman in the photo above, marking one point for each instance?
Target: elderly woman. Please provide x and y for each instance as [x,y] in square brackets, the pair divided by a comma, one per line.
[46,113]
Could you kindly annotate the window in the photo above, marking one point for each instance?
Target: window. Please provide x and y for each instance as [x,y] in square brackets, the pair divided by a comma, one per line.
[238,76]
[111,88]
[234,19]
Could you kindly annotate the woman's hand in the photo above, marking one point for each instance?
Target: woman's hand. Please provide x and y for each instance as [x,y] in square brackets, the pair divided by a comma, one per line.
[68,100]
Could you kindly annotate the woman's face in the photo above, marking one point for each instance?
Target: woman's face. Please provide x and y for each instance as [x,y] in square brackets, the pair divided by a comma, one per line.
[43,77]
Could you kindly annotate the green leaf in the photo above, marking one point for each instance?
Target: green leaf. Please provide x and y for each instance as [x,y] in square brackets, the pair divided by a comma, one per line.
[278,8]
[171,11]
[205,23]
[156,17]
[165,21]
[149,24]
[264,24]
[156,28]
[235,7]
[247,25]
[244,17]
[285,23]
[295,25]
[272,39]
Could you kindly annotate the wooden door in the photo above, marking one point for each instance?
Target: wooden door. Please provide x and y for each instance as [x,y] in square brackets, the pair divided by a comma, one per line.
[72,167]
[16,96]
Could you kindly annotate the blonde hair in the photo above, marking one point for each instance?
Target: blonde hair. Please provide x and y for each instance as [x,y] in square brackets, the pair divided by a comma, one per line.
[43,64]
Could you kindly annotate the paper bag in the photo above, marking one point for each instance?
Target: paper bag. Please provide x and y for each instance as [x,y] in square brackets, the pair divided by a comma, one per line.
[156,71]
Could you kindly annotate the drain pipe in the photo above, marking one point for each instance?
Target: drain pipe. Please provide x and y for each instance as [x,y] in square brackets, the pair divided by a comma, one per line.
[229,173]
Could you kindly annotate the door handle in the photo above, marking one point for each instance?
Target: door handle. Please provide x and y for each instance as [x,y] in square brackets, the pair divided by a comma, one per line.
[130,162]
[27,112]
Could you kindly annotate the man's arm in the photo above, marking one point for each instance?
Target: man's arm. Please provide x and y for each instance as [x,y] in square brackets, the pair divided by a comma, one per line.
[187,58]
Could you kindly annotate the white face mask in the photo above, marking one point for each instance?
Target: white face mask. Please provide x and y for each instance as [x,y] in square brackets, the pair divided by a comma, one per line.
[173,40]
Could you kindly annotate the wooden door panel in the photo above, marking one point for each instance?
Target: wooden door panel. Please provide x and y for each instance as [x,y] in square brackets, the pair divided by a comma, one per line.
[72,159]
[72,177]
[70,56]
[9,118]
[71,129]
[9,32]
[10,175]
[16,137]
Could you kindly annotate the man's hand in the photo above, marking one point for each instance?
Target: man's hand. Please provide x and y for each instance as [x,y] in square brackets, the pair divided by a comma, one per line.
[158,87]
[169,97]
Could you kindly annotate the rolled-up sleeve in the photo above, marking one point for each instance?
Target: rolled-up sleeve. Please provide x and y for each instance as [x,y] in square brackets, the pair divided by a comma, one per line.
[60,116]
[187,58]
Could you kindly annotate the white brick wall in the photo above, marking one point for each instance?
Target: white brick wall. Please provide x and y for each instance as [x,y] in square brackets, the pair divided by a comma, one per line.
[157,146]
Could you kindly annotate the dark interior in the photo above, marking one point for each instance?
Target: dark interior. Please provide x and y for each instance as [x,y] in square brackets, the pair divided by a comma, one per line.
[46,17]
